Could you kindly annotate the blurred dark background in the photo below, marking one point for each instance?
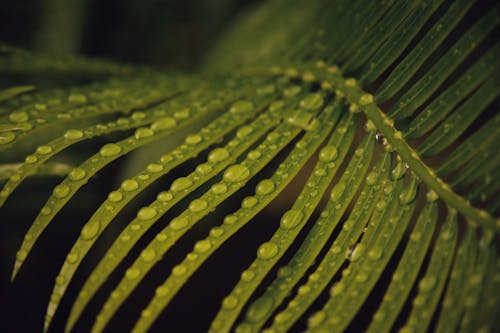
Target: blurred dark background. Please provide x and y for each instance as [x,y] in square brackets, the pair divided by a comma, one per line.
[167,33]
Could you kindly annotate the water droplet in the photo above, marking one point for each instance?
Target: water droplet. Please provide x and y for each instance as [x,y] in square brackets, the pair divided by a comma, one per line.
[408,193]
[282,317]
[218,155]
[249,202]
[276,105]
[179,270]
[259,309]
[162,291]
[350,82]
[328,154]
[216,232]
[110,149]
[361,277]
[398,171]
[181,184]
[6,137]
[337,192]
[143,132]
[291,218]
[73,134]
[366,99]
[264,187]
[164,196]
[138,115]
[182,114]
[202,246]
[359,152]
[148,254]
[267,250]
[355,252]
[254,155]
[244,131]
[312,101]
[31,159]
[60,280]
[241,107]
[90,230]
[292,91]
[44,150]
[21,255]
[129,185]
[166,158]
[77,98]
[19,116]
[132,273]
[219,188]
[427,284]
[230,219]
[72,257]
[146,213]
[247,275]
[371,179]
[193,139]
[197,205]
[77,174]
[163,124]
[337,289]
[115,196]
[125,237]
[316,319]
[375,253]
[154,167]
[303,290]
[229,302]
[431,196]
[162,237]
[266,90]
[204,169]
[60,191]
[179,223]
[236,173]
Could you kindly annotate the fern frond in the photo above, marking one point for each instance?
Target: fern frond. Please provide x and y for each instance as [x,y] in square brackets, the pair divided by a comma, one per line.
[393,104]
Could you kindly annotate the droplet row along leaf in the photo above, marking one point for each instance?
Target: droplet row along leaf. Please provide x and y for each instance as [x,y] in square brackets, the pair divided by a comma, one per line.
[291,223]
[218,159]
[138,98]
[265,192]
[235,176]
[356,280]
[332,79]
[72,136]
[108,153]
[238,113]
[340,196]
[430,286]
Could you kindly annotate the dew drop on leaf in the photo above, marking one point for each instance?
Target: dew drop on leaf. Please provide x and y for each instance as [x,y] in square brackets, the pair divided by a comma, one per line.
[291,218]
[60,191]
[90,230]
[267,250]
[218,155]
[259,309]
[146,213]
[110,149]
[236,173]
[129,185]
[328,154]
[179,223]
